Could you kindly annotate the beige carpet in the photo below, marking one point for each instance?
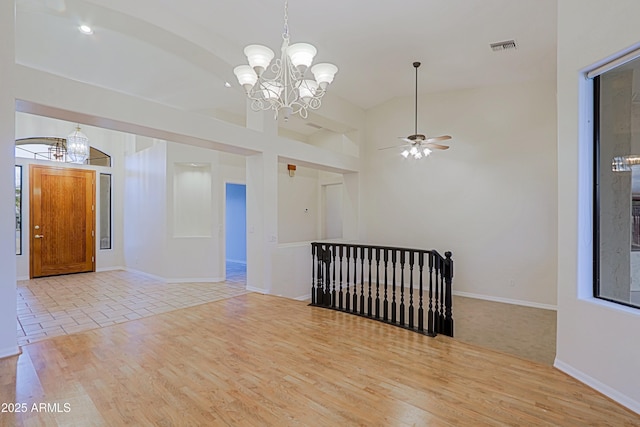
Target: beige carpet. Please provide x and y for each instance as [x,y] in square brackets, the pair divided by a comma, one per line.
[526,332]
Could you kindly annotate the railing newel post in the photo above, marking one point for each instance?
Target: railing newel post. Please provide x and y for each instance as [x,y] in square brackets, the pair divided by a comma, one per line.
[313,274]
[448,317]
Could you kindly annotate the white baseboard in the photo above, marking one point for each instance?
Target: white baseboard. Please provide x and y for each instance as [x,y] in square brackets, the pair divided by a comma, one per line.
[176,279]
[101,269]
[303,298]
[506,300]
[195,280]
[144,273]
[257,290]
[622,399]
[9,352]
[22,278]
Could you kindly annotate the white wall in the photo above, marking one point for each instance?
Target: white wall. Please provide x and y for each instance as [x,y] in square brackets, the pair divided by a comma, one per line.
[598,342]
[153,244]
[145,210]
[490,199]
[8,312]
[297,204]
[197,258]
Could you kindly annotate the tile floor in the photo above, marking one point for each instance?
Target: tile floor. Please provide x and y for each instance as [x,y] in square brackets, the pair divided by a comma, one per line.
[62,305]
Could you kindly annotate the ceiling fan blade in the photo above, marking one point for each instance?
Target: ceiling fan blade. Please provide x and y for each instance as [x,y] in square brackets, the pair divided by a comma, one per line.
[437,138]
[436,146]
[393,146]
[405,139]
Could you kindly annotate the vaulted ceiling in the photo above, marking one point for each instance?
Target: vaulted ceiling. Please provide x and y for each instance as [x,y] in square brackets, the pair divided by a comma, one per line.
[181,53]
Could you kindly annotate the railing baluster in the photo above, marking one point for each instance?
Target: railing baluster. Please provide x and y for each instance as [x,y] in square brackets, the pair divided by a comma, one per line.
[420,307]
[320,285]
[440,297]
[333,261]
[402,288]
[430,312]
[347,297]
[369,299]
[411,262]
[377,283]
[340,250]
[355,279]
[327,263]
[362,257]
[385,304]
[393,301]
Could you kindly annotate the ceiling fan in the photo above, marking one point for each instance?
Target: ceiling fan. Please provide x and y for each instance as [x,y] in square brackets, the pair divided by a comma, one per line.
[419,145]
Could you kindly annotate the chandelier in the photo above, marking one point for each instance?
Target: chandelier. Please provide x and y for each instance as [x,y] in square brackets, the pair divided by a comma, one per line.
[288,89]
[77,146]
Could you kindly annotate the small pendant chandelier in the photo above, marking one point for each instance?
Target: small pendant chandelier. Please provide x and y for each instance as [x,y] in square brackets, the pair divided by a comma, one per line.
[77,146]
[288,90]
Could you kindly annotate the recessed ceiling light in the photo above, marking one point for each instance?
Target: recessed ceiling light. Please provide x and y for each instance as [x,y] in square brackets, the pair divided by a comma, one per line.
[227,84]
[85,29]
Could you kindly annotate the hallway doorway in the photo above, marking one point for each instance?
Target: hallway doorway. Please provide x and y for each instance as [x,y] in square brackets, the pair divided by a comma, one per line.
[236,232]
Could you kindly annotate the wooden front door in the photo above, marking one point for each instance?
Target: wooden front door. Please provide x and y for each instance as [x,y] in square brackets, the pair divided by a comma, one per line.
[62,220]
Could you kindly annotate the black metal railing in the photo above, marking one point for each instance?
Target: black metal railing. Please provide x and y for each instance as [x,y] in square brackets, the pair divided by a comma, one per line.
[410,288]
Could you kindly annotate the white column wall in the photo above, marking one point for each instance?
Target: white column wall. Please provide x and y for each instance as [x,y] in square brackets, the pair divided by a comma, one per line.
[598,342]
[145,211]
[8,312]
[262,219]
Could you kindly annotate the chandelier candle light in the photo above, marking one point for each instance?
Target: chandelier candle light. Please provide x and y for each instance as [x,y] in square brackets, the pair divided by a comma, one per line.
[289,89]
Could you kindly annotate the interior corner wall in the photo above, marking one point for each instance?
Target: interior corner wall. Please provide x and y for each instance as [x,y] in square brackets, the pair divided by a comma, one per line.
[597,341]
[490,199]
[145,210]
[8,305]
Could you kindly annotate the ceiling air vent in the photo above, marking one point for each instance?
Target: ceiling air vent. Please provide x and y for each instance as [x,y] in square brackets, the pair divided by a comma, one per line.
[506,45]
[313,125]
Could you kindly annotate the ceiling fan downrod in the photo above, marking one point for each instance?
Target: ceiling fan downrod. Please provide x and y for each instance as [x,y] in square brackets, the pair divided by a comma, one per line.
[415,125]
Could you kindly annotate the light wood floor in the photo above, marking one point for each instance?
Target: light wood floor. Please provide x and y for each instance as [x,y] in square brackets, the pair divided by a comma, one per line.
[260,360]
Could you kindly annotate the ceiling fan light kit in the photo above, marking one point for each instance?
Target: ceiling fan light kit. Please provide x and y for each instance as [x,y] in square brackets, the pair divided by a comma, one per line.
[419,146]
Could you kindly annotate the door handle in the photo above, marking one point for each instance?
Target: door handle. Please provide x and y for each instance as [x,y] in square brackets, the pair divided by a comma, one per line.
[39,236]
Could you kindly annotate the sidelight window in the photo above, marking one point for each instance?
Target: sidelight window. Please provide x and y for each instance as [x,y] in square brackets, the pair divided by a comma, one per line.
[18,210]
[105,211]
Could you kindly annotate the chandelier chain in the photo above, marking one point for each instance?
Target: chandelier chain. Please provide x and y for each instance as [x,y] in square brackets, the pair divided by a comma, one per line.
[285,34]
